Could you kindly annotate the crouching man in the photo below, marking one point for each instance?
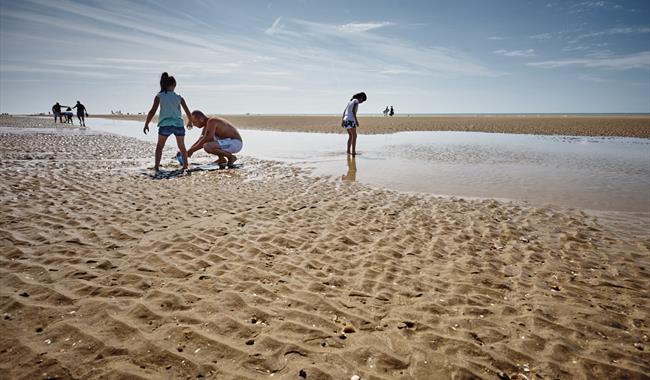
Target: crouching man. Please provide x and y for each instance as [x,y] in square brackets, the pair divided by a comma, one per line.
[218,137]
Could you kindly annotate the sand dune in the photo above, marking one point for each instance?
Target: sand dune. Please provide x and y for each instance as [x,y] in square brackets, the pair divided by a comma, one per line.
[106,273]
[625,126]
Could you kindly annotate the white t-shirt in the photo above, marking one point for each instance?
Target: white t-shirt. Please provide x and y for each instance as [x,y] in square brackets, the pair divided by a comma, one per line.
[349,110]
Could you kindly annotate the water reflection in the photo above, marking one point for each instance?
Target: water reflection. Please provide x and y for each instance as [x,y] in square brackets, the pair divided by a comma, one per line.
[600,173]
[351,175]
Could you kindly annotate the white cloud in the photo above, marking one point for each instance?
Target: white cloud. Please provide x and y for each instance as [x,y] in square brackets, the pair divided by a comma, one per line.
[495,38]
[403,71]
[592,78]
[275,28]
[611,32]
[541,36]
[368,51]
[516,53]
[362,27]
[11,68]
[639,60]
[584,47]
[235,87]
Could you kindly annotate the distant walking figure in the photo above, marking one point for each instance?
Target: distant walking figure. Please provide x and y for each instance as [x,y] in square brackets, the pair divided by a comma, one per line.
[350,122]
[56,110]
[386,111]
[81,111]
[392,111]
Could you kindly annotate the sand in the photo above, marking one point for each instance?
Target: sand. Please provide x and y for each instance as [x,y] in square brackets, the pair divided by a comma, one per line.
[623,126]
[107,273]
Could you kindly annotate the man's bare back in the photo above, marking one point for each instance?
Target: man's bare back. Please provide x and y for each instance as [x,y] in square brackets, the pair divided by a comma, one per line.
[222,128]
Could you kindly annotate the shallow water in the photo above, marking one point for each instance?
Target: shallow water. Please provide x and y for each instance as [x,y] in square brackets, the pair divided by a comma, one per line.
[599,173]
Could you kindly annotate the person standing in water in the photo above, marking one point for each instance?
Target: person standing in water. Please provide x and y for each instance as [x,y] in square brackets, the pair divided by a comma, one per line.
[170,120]
[350,122]
[392,111]
[81,111]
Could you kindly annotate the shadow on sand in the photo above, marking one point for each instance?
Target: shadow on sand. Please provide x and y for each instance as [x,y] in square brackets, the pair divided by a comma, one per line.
[166,174]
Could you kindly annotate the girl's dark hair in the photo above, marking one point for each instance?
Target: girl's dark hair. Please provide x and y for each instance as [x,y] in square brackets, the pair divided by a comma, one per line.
[166,81]
[361,96]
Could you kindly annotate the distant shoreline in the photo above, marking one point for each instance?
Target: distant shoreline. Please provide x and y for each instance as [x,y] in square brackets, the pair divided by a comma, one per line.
[619,125]
[612,125]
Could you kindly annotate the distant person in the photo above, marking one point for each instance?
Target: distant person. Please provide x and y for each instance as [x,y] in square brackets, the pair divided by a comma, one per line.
[81,111]
[392,111]
[56,110]
[218,137]
[350,122]
[386,111]
[68,115]
[170,120]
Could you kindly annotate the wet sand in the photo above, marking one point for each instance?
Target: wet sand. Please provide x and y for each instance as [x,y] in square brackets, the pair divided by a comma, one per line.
[108,273]
[623,126]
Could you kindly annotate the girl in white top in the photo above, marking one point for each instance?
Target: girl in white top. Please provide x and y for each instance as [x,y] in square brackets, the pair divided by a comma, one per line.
[350,122]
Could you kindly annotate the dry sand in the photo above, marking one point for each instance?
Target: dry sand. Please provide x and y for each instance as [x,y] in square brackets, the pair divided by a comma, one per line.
[625,126]
[108,274]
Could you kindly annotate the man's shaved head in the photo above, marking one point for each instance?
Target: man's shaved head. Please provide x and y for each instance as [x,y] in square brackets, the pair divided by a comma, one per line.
[197,113]
[199,119]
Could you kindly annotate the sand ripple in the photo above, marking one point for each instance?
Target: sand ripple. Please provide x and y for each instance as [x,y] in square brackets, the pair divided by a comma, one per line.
[106,273]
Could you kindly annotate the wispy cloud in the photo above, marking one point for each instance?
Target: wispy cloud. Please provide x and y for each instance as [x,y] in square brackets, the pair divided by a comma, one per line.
[363,26]
[403,71]
[236,87]
[639,60]
[11,68]
[592,78]
[611,32]
[585,47]
[275,28]
[541,36]
[585,6]
[496,38]
[516,53]
[368,52]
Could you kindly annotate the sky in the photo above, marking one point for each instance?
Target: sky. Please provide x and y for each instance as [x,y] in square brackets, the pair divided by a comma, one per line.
[310,57]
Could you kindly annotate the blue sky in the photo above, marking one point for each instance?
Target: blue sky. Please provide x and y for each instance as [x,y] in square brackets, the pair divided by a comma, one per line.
[311,56]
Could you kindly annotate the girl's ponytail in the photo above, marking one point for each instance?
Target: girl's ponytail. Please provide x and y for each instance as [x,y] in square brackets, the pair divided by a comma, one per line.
[164,80]
[361,96]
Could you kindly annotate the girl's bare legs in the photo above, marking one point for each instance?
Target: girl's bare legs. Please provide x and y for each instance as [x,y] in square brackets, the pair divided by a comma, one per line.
[159,148]
[353,135]
[349,139]
[180,141]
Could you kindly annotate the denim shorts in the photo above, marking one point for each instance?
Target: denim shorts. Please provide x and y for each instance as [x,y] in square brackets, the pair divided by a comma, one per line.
[169,130]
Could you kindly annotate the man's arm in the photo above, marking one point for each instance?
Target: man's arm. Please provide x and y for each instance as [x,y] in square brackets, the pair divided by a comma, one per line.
[187,112]
[152,113]
[198,144]
[206,136]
